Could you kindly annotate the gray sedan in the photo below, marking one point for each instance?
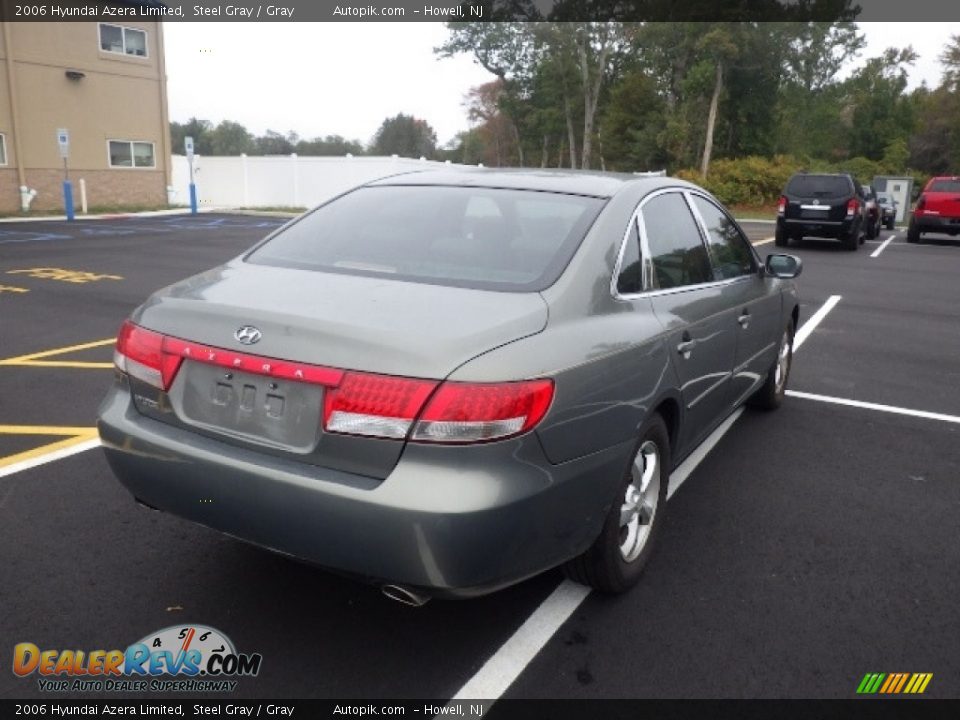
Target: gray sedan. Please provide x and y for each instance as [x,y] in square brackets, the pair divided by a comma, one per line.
[446,382]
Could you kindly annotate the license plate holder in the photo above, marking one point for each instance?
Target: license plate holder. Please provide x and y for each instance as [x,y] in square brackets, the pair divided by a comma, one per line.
[278,413]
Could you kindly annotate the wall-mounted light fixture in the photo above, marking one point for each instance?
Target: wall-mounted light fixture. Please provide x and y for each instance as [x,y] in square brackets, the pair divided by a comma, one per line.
[75,74]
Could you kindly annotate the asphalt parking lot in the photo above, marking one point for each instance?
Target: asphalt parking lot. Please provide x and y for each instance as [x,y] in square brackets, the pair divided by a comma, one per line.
[809,547]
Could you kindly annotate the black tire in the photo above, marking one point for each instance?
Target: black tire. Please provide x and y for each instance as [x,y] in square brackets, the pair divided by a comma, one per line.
[913,233]
[889,224]
[851,239]
[771,393]
[780,237]
[604,566]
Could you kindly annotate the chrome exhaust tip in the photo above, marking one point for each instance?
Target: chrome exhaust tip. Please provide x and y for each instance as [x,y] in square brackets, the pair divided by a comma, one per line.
[405,595]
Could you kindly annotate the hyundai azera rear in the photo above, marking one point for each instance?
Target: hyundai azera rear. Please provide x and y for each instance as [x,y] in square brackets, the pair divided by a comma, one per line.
[445,382]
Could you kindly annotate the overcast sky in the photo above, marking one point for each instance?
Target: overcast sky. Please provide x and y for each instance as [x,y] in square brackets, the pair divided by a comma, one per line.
[345,78]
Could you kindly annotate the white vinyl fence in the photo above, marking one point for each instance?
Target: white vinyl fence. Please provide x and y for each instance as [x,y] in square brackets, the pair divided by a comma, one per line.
[280,180]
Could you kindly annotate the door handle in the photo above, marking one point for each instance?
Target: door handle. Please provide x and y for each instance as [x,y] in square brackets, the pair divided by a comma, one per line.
[685,347]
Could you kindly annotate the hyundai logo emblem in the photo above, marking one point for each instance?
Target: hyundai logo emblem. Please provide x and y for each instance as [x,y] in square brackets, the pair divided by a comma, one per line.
[248,335]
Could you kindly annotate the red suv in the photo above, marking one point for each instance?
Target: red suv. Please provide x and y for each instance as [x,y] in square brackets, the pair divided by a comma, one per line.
[937,210]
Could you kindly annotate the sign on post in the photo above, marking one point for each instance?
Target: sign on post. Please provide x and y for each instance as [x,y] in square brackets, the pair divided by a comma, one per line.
[63,140]
[188,147]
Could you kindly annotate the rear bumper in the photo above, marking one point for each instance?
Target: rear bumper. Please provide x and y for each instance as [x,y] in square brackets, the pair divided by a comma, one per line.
[815,228]
[937,223]
[456,521]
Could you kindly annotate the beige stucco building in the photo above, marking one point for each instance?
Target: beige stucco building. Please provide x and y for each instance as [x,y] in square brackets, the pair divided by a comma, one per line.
[105,83]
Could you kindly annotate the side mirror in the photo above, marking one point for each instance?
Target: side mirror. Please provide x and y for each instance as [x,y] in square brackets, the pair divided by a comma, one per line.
[784,267]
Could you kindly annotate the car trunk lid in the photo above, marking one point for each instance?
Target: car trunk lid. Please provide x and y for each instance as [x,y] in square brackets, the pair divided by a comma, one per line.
[313,323]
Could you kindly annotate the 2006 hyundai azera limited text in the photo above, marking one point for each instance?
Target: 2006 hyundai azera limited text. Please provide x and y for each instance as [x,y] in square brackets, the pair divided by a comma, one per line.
[448,381]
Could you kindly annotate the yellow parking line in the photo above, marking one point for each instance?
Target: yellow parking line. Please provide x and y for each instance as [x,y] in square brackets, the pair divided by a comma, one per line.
[45,430]
[57,364]
[88,434]
[22,359]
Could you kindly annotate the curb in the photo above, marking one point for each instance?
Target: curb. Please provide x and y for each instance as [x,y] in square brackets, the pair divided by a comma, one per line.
[150,213]
[106,216]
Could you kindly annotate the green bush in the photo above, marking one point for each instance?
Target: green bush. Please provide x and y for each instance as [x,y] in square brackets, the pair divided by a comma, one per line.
[758,181]
[861,168]
[753,181]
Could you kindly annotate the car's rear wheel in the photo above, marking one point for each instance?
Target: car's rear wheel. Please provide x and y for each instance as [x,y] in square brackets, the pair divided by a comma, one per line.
[617,557]
[771,393]
[851,239]
[889,224]
[913,233]
[780,237]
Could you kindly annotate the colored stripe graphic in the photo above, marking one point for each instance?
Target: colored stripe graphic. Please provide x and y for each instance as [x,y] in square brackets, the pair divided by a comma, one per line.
[903,679]
[891,680]
[894,683]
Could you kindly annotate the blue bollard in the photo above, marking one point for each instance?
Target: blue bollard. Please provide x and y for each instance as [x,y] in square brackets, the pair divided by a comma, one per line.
[193,199]
[68,198]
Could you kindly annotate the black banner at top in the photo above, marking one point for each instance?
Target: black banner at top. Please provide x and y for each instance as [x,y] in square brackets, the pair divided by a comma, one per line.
[483,10]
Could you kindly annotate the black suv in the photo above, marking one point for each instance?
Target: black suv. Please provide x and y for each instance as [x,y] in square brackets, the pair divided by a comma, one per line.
[829,206]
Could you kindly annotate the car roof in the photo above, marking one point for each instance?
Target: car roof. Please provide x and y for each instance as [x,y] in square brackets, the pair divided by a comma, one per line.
[804,173]
[572,182]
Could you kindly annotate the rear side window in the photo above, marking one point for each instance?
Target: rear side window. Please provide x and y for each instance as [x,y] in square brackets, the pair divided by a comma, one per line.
[508,240]
[677,253]
[729,250]
[947,186]
[630,279]
[819,186]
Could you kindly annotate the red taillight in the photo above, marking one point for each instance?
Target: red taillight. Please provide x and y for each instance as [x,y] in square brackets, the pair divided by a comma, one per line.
[140,353]
[782,206]
[853,207]
[375,405]
[384,406]
[468,412]
[357,403]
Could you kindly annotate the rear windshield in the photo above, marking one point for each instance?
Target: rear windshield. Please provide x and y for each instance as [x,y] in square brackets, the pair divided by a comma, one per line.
[950,186]
[819,186]
[514,240]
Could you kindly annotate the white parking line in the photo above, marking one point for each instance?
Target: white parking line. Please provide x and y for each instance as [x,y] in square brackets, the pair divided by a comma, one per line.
[875,406]
[49,457]
[883,246]
[810,325]
[686,468]
[499,672]
[506,664]
[764,241]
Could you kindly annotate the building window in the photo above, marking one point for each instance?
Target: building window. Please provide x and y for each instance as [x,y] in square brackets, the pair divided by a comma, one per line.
[3,149]
[123,40]
[130,153]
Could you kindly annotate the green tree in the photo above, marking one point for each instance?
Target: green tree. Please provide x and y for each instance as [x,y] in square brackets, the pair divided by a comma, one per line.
[230,138]
[935,146]
[274,143]
[882,114]
[631,124]
[812,102]
[406,136]
[199,130]
[331,145]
